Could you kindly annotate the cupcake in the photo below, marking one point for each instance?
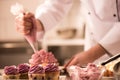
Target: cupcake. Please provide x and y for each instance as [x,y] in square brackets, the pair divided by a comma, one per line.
[10,72]
[48,61]
[42,57]
[52,72]
[90,72]
[23,70]
[37,58]
[36,72]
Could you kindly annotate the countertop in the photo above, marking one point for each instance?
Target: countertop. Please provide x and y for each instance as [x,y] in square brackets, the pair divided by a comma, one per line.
[60,78]
[1,72]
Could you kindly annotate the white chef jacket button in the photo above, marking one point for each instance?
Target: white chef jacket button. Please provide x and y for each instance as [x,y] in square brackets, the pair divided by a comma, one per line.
[114,15]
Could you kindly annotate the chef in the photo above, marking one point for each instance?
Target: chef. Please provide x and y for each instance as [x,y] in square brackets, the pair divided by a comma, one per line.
[102,39]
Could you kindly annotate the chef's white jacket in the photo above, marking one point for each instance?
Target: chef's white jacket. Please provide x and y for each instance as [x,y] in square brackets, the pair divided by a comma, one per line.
[102,21]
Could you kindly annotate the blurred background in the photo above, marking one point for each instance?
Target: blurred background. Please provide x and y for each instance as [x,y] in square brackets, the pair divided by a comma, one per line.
[66,39]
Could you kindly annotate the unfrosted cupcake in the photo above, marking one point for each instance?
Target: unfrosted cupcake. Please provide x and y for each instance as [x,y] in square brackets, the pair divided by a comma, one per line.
[10,72]
[52,72]
[23,70]
[36,72]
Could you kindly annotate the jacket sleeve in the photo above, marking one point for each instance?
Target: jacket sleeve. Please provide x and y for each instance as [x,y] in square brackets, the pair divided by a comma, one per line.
[111,41]
[52,11]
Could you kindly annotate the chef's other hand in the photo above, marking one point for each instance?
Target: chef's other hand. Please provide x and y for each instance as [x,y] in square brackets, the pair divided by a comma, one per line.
[83,58]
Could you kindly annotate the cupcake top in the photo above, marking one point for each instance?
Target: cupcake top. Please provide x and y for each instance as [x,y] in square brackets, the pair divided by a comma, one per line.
[42,57]
[23,68]
[36,69]
[10,70]
[51,67]
[90,72]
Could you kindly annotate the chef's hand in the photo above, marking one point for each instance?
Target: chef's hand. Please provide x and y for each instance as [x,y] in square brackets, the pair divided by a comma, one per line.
[24,23]
[88,56]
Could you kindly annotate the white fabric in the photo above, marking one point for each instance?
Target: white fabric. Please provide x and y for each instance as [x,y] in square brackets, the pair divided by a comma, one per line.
[52,11]
[102,21]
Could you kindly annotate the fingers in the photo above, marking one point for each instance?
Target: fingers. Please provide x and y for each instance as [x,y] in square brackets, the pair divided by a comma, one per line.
[23,31]
[28,15]
[72,61]
[24,23]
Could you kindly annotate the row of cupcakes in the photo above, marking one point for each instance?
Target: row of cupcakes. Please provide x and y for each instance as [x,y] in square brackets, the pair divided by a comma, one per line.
[38,72]
[42,65]
[16,72]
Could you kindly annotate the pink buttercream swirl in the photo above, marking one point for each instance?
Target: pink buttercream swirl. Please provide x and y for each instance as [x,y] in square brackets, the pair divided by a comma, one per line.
[42,57]
[36,69]
[23,68]
[51,67]
[91,72]
[10,70]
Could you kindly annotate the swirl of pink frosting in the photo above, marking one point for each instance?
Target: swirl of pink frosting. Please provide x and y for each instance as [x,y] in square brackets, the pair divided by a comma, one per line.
[90,72]
[23,68]
[51,67]
[42,57]
[36,69]
[10,70]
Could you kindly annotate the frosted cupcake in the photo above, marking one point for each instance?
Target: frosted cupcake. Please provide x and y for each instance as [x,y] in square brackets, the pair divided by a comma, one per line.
[51,67]
[42,57]
[48,61]
[10,72]
[52,72]
[23,70]
[90,72]
[36,72]
[37,58]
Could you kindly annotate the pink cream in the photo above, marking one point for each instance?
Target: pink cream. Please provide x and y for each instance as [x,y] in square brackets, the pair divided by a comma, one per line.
[42,57]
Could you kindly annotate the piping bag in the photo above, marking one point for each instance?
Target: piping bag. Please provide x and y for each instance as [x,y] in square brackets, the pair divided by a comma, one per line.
[18,10]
